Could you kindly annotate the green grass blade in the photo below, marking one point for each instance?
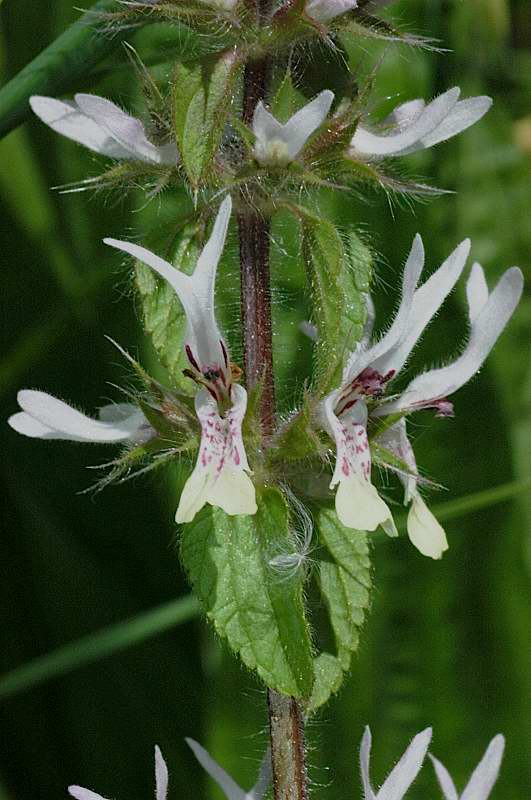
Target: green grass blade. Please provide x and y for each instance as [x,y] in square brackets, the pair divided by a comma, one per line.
[479,500]
[476,501]
[71,56]
[98,645]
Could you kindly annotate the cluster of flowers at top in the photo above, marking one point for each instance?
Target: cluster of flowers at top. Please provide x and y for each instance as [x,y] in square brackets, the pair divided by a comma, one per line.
[394,787]
[103,127]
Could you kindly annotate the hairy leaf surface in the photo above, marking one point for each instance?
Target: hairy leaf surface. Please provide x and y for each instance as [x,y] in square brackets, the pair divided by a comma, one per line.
[256,608]
[344,581]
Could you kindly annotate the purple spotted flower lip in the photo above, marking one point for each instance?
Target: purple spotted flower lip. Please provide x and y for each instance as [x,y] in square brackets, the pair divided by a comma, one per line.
[277,143]
[103,127]
[416,125]
[221,474]
[373,366]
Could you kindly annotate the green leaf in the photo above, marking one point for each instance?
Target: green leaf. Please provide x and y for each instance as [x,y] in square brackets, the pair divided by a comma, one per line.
[59,67]
[258,610]
[203,99]
[345,581]
[163,314]
[338,273]
[286,100]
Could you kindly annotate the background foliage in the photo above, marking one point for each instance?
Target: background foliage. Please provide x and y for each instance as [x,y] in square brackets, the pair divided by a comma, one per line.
[448,644]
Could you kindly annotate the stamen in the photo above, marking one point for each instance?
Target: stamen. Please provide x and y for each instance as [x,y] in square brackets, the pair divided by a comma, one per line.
[191,358]
[224,351]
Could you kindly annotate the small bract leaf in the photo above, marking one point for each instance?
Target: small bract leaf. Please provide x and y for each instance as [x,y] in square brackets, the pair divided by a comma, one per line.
[258,609]
[203,99]
[286,99]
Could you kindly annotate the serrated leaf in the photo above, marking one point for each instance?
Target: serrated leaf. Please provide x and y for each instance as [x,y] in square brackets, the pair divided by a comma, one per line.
[163,314]
[203,99]
[338,275]
[345,582]
[257,610]
[329,676]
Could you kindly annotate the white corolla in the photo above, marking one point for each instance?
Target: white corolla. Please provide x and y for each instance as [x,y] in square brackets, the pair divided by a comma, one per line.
[372,367]
[279,144]
[327,10]
[403,773]
[482,779]
[416,125]
[221,474]
[228,785]
[103,127]
[45,417]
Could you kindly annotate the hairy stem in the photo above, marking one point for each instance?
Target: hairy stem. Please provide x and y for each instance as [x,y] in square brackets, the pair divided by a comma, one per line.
[256,309]
[285,714]
[286,728]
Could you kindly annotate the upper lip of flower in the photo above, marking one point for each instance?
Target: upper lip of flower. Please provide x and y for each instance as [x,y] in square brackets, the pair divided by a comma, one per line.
[482,779]
[387,356]
[415,126]
[204,344]
[489,314]
[294,134]
[45,417]
[229,787]
[403,773]
[101,126]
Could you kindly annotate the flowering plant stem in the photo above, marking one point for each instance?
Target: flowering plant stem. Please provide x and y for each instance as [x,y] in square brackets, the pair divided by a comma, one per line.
[285,713]
[287,747]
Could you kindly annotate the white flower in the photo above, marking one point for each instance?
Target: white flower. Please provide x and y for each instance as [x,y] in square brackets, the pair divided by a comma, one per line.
[488,315]
[403,773]
[161,782]
[279,144]
[220,475]
[482,779]
[46,417]
[327,10]
[103,127]
[372,367]
[415,126]
[228,786]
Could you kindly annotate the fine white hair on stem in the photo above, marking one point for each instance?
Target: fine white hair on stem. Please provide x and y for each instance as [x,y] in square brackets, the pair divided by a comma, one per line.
[287,562]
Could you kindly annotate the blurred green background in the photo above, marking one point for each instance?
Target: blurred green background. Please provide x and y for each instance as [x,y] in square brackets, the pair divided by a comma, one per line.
[447,644]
